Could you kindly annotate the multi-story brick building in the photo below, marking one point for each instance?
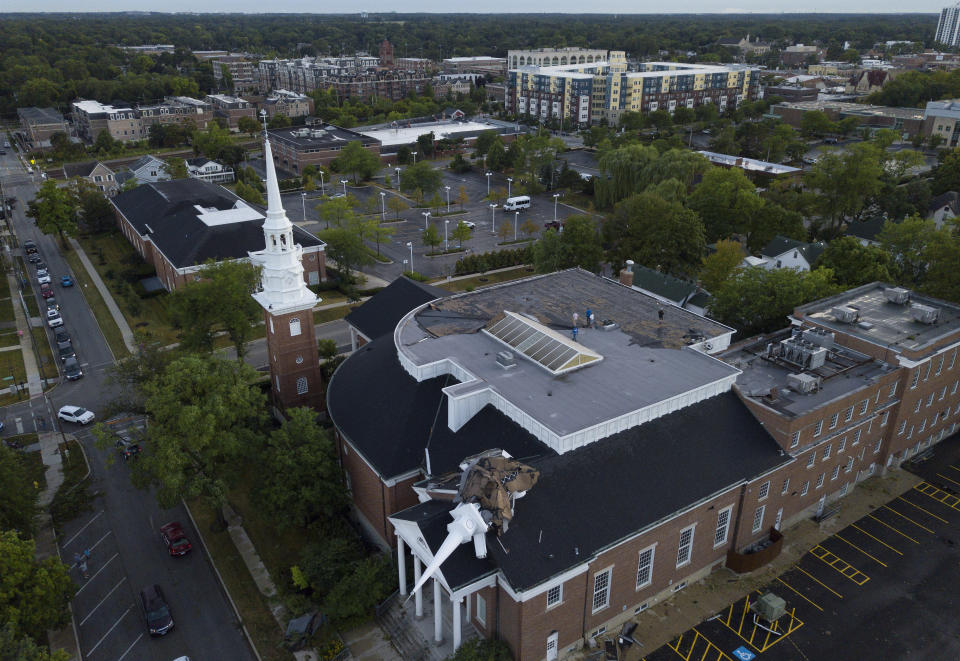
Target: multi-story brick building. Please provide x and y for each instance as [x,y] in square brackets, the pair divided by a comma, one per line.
[285,102]
[652,461]
[92,117]
[40,123]
[419,65]
[243,73]
[231,108]
[489,66]
[182,110]
[295,148]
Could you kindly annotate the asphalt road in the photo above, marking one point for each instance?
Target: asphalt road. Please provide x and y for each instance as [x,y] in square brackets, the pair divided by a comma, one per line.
[121,530]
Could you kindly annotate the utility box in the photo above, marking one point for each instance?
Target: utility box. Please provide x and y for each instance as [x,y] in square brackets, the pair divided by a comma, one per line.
[770,607]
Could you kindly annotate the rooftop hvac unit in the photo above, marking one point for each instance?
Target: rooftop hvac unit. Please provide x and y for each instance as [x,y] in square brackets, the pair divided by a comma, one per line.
[318,133]
[925,314]
[805,355]
[897,295]
[805,383]
[770,607]
[845,314]
[506,359]
[822,338]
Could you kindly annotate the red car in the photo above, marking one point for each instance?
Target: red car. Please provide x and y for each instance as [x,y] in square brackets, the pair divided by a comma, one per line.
[46,291]
[177,542]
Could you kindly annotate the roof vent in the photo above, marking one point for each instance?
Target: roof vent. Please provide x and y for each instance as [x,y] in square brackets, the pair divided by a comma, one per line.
[820,337]
[897,295]
[805,383]
[506,359]
[845,314]
[925,314]
[865,325]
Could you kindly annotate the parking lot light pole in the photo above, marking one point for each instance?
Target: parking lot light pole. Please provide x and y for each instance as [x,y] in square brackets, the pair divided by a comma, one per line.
[414,157]
[344,182]
[426,219]
[488,183]
[446,224]
[383,207]
[556,197]
[410,245]
[303,200]
[493,219]
[322,190]
[515,225]
[398,179]
[448,198]
[509,181]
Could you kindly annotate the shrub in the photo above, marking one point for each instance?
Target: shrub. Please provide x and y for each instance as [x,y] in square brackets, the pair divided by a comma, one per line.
[359,591]
[414,275]
[498,259]
[480,649]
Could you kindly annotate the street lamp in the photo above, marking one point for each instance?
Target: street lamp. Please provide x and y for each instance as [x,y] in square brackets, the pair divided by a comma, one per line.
[493,219]
[426,218]
[322,191]
[410,245]
[509,181]
[344,182]
[446,224]
[303,200]
[556,197]
[516,224]
[448,198]
[488,182]
[398,179]
[383,207]
[414,157]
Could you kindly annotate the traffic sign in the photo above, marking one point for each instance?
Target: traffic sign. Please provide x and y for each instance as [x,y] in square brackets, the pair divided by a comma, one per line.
[744,654]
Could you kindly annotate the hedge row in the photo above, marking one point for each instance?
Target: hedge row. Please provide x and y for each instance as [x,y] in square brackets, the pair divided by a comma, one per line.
[488,261]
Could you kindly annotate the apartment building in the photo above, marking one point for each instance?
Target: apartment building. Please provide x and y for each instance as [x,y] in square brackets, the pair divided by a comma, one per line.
[295,148]
[183,110]
[310,73]
[948,27]
[589,93]
[489,66]
[40,123]
[92,117]
[231,108]
[547,57]
[419,65]
[285,102]
[243,72]
[942,118]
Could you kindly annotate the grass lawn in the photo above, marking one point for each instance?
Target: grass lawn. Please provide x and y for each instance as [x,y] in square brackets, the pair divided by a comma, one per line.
[254,608]
[33,309]
[4,288]
[6,308]
[332,314]
[9,338]
[107,325]
[117,254]
[74,496]
[48,364]
[11,364]
[485,280]
[32,462]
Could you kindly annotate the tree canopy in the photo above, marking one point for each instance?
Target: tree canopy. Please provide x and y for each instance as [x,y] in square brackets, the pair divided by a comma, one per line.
[34,594]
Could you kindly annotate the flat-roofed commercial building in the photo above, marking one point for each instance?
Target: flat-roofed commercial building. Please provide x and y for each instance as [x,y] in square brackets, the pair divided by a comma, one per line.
[295,148]
[40,123]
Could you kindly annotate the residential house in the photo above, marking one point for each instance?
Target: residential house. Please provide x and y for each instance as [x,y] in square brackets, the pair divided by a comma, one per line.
[207,170]
[784,253]
[147,169]
[665,287]
[944,207]
[96,173]
[866,231]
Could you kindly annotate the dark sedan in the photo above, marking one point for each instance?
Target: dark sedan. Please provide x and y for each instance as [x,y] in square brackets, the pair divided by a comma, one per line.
[156,610]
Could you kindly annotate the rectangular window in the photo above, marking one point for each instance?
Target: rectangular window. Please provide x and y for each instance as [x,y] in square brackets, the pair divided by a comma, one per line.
[953,359]
[805,489]
[876,446]
[842,445]
[764,490]
[758,518]
[812,458]
[601,589]
[856,436]
[943,393]
[940,366]
[843,489]
[554,595]
[884,418]
[930,398]
[685,547]
[481,610]
[902,428]
[910,432]
[818,428]
[849,466]
[723,526]
[820,478]
[916,409]
[953,390]
[835,473]
[864,405]
[796,436]
[893,390]
[826,451]
[926,375]
[645,567]
[923,425]
[916,380]
[786,486]
[849,415]
[833,420]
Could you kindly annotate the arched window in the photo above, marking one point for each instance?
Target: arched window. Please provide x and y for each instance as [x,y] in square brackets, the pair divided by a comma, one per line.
[563,60]
[273,238]
[294,327]
[523,61]
[302,385]
[554,61]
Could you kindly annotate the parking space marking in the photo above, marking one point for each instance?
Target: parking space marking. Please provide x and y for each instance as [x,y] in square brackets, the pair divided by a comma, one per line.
[848,542]
[97,543]
[77,534]
[948,479]
[130,648]
[887,507]
[836,562]
[90,580]
[90,614]
[697,637]
[876,539]
[954,467]
[753,626]
[800,594]
[817,580]
[104,637]
[938,495]
[928,512]
[871,516]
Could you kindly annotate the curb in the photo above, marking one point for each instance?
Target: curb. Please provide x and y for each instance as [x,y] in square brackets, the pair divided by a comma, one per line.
[206,551]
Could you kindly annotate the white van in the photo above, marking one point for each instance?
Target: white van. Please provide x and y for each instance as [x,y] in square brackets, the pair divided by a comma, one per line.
[517,203]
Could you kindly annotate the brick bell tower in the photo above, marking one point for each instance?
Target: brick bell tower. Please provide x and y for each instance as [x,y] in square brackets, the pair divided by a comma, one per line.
[287,302]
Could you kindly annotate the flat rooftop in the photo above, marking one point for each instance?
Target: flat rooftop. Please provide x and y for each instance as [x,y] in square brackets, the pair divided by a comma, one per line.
[763,378]
[884,323]
[41,115]
[405,135]
[307,138]
[854,108]
[750,164]
[646,367]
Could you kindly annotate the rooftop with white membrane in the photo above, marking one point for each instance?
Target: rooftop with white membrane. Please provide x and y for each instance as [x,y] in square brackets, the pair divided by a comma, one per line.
[405,135]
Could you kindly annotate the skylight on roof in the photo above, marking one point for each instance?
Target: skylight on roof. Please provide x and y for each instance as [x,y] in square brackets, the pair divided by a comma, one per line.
[545,346]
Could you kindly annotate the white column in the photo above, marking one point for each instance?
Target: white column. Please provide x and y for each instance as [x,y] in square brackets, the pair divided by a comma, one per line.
[469,599]
[353,339]
[401,565]
[456,623]
[437,613]
[418,596]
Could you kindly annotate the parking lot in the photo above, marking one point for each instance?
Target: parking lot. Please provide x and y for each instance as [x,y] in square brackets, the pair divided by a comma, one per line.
[884,587]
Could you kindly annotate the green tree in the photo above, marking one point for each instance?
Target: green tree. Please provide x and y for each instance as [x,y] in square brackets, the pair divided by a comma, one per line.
[278,121]
[947,175]
[529,227]
[425,144]
[719,265]
[816,124]
[848,182]
[906,242]
[485,141]
[96,213]
[359,591]
[34,594]
[15,646]
[431,238]
[396,204]
[943,255]
[301,479]
[176,168]
[462,197]
[345,245]
[722,200]
[248,125]
[337,210]
[250,194]
[214,143]
[354,159]
[578,245]
[104,144]
[55,211]
[462,233]
[757,300]
[421,176]
[496,156]
[854,264]
[219,300]
[656,233]
[18,499]
[379,233]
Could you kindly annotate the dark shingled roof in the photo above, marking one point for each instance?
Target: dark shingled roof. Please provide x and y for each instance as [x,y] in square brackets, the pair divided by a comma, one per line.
[781,244]
[381,313]
[949,199]
[390,418]
[663,284]
[168,208]
[71,170]
[866,229]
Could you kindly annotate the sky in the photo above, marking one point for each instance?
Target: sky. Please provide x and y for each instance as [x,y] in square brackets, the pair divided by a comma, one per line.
[489,6]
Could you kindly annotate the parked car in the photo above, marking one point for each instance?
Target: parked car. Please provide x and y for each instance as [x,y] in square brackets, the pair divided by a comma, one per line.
[44,279]
[54,319]
[34,258]
[62,335]
[175,539]
[71,369]
[45,289]
[66,281]
[30,247]
[51,302]
[554,225]
[472,225]
[156,610]
[65,350]
[127,448]
[40,264]
[75,414]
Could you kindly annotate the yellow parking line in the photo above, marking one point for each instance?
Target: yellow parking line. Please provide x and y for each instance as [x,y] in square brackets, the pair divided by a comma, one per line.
[909,519]
[938,495]
[814,578]
[921,509]
[861,550]
[892,528]
[853,525]
[954,467]
[834,561]
[948,479]
[800,594]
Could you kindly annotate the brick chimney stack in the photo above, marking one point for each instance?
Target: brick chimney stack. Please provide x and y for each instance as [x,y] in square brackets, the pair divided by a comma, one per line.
[626,274]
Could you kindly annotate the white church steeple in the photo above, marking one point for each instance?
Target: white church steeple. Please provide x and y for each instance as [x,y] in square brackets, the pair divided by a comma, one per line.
[282,286]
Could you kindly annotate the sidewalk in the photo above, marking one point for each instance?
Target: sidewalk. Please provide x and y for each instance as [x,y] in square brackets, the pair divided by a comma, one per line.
[107,296]
[34,380]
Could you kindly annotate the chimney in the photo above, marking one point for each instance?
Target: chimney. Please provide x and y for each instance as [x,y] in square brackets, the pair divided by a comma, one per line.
[626,274]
